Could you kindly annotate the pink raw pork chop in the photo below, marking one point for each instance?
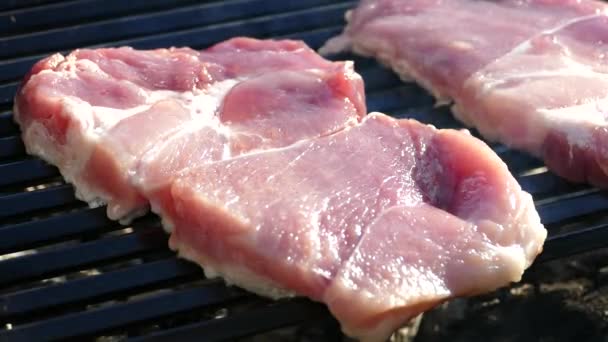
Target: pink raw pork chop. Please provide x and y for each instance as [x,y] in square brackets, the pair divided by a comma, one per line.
[531,74]
[380,221]
[262,165]
[119,122]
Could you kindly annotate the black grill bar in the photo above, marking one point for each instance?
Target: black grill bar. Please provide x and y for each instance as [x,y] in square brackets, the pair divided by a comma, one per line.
[573,205]
[132,312]
[246,323]
[314,38]
[308,17]
[11,147]
[24,202]
[35,233]
[25,170]
[572,243]
[182,18]
[391,99]
[377,77]
[545,183]
[7,126]
[77,256]
[96,288]
[7,92]
[65,13]
[520,162]
[17,4]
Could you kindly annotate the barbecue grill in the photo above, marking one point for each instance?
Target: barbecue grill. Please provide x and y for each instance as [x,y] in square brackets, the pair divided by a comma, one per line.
[67,272]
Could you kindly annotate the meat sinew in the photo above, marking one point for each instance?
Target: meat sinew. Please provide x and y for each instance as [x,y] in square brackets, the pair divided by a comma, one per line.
[262,165]
[381,221]
[114,118]
[531,74]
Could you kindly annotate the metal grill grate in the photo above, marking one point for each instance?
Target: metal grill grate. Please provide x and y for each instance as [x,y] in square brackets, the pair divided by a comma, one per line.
[68,272]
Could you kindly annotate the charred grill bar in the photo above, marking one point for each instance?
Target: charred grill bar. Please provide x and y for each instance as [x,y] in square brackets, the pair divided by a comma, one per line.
[66,271]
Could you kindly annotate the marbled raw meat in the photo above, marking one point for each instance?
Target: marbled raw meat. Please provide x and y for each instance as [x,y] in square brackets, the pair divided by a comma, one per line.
[380,221]
[99,114]
[532,74]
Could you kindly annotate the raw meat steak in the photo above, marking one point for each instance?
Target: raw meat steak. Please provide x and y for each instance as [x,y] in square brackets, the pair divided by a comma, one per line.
[114,118]
[380,221]
[531,74]
[262,165]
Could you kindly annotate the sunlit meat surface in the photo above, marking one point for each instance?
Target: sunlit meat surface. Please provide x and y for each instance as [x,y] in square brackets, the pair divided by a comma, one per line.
[531,74]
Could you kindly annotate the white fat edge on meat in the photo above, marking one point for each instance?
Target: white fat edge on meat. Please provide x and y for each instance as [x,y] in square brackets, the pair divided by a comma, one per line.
[519,236]
[80,142]
[38,143]
[576,120]
[530,234]
[132,215]
[71,164]
[232,274]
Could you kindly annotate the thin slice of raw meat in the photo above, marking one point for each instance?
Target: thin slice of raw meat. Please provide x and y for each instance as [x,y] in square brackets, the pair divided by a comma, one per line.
[531,74]
[380,221]
[99,114]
